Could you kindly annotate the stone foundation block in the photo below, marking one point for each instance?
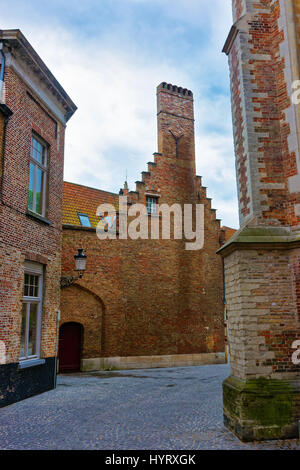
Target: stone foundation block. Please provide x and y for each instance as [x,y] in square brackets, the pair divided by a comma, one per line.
[262,409]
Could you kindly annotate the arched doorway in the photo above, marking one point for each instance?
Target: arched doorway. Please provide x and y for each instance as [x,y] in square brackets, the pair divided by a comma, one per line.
[70,346]
[80,305]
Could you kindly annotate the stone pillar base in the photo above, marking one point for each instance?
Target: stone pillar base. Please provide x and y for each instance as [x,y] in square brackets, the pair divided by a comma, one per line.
[262,409]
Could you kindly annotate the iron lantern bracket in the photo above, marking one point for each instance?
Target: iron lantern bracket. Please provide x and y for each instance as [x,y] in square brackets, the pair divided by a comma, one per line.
[67,281]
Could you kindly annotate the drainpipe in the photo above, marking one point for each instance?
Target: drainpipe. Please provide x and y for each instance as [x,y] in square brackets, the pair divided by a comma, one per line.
[2,69]
[5,120]
[56,348]
[7,114]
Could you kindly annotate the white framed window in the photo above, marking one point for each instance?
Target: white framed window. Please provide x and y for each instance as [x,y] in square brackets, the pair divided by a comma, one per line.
[38,176]
[151,203]
[31,311]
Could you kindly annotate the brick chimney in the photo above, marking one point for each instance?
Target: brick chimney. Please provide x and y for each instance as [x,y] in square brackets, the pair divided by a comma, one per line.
[175,120]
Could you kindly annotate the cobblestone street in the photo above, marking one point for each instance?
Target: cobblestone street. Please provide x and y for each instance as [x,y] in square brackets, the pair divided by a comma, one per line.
[159,409]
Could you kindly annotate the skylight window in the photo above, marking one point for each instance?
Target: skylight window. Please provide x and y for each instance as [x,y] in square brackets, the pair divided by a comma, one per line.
[84,220]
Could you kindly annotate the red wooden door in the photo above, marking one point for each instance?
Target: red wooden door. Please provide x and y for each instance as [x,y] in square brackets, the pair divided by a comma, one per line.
[70,337]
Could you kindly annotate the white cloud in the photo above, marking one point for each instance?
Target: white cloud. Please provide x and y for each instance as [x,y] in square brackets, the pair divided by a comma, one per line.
[112,79]
[215,163]
[116,114]
[195,12]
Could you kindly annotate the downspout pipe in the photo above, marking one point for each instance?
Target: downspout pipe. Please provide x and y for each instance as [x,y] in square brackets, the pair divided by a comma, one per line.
[7,113]
[2,69]
[56,350]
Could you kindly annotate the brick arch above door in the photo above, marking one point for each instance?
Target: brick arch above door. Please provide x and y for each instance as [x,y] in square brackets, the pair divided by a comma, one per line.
[80,305]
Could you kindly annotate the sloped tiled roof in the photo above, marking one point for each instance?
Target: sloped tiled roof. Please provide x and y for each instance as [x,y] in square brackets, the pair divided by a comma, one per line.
[84,200]
[229,232]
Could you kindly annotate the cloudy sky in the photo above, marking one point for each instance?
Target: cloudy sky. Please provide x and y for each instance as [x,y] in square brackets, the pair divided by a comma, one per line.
[110,55]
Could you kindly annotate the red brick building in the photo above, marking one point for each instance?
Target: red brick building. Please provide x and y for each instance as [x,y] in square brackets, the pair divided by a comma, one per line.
[262,395]
[34,110]
[145,303]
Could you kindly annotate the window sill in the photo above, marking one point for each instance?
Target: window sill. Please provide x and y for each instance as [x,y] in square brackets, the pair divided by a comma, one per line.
[155,216]
[31,363]
[38,217]
[79,227]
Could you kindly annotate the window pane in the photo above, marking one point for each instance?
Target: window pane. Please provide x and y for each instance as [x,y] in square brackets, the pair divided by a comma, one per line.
[39,191]
[23,331]
[84,220]
[35,283]
[32,334]
[31,285]
[31,186]
[37,150]
[151,205]
[26,285]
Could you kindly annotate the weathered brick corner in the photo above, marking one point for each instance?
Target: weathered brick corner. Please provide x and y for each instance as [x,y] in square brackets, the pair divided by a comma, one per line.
[262,396]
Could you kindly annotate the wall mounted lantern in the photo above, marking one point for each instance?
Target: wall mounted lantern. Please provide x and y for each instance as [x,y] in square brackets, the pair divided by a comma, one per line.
[80,267]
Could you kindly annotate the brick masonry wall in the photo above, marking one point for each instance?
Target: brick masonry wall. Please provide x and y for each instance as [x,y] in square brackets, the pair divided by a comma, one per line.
[158,298]
[263,66]
[23,237]
[264,63]
[261,305]
[92,311]
[261,397]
